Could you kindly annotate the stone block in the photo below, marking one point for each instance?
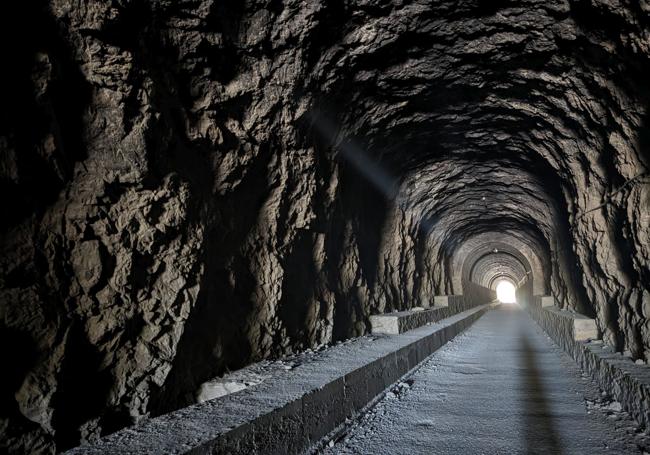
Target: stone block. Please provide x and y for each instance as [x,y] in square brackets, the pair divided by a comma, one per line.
[238,441]
[546,301]
[385,323]
[584,328]
[281,431]
[441,300]
[403,321]
[376,378]
[323,409]
[390,371]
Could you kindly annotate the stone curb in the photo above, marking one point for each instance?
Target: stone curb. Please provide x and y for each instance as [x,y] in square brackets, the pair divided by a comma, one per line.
[288,415]
[403,321]
[615,373]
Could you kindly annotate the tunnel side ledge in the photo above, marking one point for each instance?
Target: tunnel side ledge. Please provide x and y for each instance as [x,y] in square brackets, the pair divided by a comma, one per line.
[293,413]
[616,374]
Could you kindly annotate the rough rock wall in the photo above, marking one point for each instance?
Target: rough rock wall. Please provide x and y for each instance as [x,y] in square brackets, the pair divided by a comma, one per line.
[172,211]
[167,221]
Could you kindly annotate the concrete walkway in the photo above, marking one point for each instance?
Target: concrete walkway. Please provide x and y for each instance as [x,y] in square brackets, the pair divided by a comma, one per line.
[502,387]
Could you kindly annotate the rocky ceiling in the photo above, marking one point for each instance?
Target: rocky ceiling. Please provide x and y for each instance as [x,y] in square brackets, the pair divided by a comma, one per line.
[190,186]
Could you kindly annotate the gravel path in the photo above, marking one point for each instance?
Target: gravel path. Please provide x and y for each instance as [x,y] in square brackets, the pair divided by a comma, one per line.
[502,387]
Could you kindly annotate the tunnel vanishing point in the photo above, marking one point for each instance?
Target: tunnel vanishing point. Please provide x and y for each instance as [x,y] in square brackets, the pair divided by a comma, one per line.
[247,226]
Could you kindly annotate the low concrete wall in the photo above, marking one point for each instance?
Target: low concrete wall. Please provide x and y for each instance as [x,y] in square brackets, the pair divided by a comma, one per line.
[616,374]
[403,321]
[293,412]
[563,326]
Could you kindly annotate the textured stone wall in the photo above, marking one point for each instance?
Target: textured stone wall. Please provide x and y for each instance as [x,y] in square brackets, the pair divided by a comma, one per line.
[473,292]
[173,209]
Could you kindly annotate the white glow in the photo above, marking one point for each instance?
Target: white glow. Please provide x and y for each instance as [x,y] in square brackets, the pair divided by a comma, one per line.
[506,292]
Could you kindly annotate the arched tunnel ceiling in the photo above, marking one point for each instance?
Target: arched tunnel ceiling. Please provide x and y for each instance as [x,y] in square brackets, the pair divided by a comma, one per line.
[179,201]
[496,259]
[531,259]
[490,267]
[506,117]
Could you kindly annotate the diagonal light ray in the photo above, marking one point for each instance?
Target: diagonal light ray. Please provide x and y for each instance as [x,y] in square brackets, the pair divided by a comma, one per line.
[369,168]
[357,157]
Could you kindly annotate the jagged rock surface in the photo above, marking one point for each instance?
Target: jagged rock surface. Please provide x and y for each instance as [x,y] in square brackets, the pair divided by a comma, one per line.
[177,203]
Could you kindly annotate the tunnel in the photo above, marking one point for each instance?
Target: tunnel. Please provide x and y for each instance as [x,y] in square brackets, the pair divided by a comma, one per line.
[203,200]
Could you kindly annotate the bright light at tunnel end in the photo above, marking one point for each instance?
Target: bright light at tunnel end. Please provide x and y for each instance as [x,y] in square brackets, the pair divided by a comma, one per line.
[506,292]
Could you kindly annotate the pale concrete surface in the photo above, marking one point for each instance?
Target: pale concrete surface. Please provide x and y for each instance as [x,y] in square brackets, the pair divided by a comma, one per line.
[503,387]
[403,321]
[441,300]
[547,300]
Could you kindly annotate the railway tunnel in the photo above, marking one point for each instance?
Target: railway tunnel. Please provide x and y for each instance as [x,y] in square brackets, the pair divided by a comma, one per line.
[209,207]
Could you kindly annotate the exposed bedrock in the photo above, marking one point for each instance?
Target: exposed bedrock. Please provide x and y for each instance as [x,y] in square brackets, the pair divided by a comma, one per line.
[191,186]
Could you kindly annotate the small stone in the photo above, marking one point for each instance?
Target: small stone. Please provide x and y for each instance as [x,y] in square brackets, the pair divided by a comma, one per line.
[614,406]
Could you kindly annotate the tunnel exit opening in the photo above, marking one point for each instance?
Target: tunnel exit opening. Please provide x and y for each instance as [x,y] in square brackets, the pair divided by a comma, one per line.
[506,292]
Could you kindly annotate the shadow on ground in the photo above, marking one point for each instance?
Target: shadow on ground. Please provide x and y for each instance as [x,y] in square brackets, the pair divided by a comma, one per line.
[539,428]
